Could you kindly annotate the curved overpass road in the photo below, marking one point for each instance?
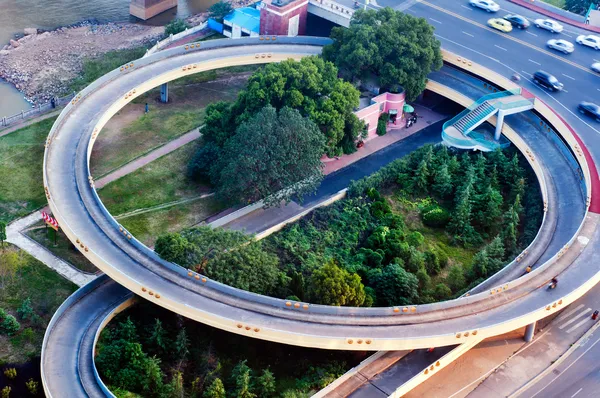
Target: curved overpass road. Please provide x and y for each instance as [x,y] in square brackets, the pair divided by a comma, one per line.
[72,198]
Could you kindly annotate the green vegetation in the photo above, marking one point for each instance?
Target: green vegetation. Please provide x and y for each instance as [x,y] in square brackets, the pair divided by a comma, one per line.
[577,6]
[219,10]
[556,3]
[273,156]
[398,48]
[149,351]
[21,159]
[94,68]
[63,249]
[176,26]
[29,295]
[443,223]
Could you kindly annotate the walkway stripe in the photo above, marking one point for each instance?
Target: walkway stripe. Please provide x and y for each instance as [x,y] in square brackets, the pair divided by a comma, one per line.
[577,325]
[570,312]
[584,313]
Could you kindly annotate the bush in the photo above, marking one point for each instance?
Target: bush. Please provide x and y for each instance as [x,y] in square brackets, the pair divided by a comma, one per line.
[381,127]
[203,159]
[435,216]
[432,263]
[10,373]
[25,311]
[10,325]
[6,392]
[442,292]
[175,26]
[32,386]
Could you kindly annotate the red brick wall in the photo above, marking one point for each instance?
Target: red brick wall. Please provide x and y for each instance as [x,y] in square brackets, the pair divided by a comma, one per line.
[274,24]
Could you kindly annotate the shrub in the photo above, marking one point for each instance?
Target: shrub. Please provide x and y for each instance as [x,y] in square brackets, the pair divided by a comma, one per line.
[415,239]
[10,325]
[32,386]
[442,292]
[381,127]
[176,26]
[25,311]
[6,392]
[10,373]
[435,216]
[432,263]
[456,279]
[203,159]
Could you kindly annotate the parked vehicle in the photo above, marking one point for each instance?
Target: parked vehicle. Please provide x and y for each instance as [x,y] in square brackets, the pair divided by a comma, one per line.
[488,5]
[589,40]
[549,24]
[589,109]
[412,119]
[547,80]
[561,45]
[517,21]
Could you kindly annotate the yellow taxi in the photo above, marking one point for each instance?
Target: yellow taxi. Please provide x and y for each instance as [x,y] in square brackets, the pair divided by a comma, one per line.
[501,24]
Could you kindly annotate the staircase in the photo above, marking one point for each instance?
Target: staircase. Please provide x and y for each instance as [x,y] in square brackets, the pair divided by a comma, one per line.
[460,131]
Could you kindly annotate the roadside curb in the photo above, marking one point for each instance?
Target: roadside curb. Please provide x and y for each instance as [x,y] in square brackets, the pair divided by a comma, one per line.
[560,359]
[556,16]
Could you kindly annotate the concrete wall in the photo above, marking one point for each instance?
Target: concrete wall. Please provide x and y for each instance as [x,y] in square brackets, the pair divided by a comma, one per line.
[274,20]
[382,103]
[146,9]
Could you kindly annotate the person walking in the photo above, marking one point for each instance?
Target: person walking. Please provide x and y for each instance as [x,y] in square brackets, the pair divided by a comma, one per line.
[147,108]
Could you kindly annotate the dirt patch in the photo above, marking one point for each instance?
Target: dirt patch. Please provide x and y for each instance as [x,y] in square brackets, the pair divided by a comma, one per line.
[43,65]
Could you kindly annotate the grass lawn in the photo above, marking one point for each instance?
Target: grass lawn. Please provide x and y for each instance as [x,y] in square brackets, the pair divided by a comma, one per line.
[63,249]
[160,182]
[21,158]
[46,289]
[557,3]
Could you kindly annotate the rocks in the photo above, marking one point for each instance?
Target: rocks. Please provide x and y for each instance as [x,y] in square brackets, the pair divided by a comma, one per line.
[14,43]
[4,52]
[30,31]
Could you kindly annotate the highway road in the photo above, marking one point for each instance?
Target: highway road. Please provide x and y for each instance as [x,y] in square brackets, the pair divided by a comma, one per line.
[78,210]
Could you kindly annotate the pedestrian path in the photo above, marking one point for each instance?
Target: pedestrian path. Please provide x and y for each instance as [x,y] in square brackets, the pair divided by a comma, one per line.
[579,314]
[39,252]
[29,122]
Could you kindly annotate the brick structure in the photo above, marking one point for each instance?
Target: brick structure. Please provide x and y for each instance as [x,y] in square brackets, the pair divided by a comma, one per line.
[283,17]
[146,9]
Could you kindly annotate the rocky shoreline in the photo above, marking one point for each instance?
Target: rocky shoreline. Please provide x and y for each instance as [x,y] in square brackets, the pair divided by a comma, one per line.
[41,64]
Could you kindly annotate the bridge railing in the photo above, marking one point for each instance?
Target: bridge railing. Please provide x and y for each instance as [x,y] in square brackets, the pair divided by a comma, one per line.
[35,111]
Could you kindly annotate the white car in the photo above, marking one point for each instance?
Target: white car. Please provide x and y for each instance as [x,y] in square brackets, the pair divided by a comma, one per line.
[561,45]
[596,67]
[487,5]
[549,24]
[589,40]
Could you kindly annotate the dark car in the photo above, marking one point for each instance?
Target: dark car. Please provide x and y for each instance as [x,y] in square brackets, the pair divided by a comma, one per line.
[517,21]
[590,109]
[547,80]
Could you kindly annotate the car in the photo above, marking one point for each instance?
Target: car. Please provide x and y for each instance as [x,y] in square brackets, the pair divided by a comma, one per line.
[561,45]
[518,21]
[595,67]
[590,109]
[487,5]
[547,80]
[589,40]
[500,24]
[548,24]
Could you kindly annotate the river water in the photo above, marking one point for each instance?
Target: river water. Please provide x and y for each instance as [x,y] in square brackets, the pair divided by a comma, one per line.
[15,15]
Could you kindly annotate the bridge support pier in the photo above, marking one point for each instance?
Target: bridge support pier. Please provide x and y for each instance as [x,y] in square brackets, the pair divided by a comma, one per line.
[164,93]
[529,332]
[499,124]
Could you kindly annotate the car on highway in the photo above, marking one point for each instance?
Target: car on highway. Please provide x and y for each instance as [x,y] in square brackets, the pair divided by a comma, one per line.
[547,80]
[561,45]
[589,109]
[595,67]
[589,40]
[488,5]
[517,21]
[500,24]
[549,24]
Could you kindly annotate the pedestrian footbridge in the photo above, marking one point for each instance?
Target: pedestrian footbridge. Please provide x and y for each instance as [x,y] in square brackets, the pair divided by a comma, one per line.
[459,132]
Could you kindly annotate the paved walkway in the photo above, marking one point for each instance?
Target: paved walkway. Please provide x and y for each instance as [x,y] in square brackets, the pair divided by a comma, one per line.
[18,126]
[14,236]
[556,13]
[149,157]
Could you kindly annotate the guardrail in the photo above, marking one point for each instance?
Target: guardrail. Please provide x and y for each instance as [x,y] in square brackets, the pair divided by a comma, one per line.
[37,110]
[174,37]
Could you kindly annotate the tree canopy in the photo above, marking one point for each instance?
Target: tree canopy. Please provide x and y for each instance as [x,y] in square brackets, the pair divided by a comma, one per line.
[399,48]
[273,156]
[219,10]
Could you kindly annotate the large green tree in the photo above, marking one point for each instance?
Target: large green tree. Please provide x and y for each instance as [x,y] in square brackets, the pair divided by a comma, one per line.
[579,6]
[396,286]
[273,156]
[397,47]
[332,285]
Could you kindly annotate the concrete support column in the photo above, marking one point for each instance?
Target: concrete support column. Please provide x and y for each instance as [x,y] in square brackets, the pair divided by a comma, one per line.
[499,124]
[529,332]
[164,93]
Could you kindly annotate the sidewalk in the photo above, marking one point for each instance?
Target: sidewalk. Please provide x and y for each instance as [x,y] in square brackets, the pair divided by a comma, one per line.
[28,122]
[14,236]
[557,14]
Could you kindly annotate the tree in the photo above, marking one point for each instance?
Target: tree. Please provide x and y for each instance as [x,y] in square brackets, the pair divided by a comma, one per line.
[579,6]
[421,178]
[175,387]
[203,159]
[219,124]
[174,248]
[10,262]
[241,376]
[9,325]
[219,10]
[495,254]
[2,232]
[265,384]
[25,311]
[397,47]
[442,182]
[488,207]
[182,344]
[424,280]
[332,285]
[176,26]
[215,390]
[396,286]
[480,264]
[158,336]
[456,278]
[272,157]
[442,292]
